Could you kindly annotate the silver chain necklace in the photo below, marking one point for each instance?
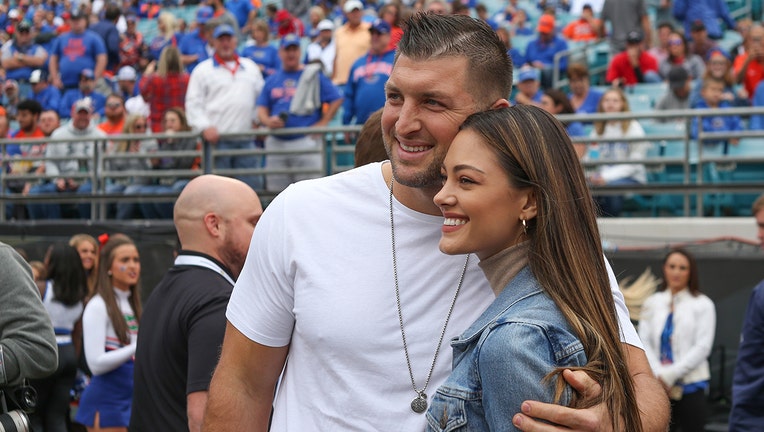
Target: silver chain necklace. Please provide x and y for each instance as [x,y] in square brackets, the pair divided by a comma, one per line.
[419,404]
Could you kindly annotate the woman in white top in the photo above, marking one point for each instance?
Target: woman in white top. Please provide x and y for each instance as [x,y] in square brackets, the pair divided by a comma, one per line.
[63,294]
[110,326]
[614,101]
[677,326]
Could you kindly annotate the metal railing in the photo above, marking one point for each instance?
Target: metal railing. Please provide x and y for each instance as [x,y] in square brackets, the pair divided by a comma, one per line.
[336,156]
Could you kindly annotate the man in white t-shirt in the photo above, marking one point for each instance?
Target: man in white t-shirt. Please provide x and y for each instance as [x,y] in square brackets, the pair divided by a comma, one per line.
[320,283]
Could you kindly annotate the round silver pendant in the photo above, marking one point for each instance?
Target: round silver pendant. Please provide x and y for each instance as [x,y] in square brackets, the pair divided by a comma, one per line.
[419,404]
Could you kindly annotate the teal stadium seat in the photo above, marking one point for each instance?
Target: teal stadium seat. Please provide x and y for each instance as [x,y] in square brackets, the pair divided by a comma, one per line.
[746,166]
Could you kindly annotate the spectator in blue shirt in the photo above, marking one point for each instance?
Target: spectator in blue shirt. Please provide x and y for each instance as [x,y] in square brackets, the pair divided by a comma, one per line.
[556,102]
[21,55]
[709,12]
[243,11]
[194,48]
[541,51]
[48,96]
[518,59]
[711,94]
[86,89]
[528,87]
[582,97]
[259,49]
[107,29]
[75,51]
[365,89]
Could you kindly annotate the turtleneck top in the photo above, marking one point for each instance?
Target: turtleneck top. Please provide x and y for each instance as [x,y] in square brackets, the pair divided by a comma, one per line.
[500,268]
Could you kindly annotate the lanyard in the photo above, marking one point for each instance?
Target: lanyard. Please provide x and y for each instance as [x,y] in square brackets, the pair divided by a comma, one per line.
[225,65]
[198,261]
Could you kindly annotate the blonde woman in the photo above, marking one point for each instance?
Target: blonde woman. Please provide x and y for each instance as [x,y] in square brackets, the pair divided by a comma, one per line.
[614,101]
[167,36]
[135,124]
[164,85]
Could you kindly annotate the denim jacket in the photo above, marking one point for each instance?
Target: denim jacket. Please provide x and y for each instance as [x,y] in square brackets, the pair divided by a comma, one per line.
[502,358]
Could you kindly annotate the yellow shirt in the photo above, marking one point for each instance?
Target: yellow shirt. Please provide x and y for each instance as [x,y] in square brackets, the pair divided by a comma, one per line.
[351,45]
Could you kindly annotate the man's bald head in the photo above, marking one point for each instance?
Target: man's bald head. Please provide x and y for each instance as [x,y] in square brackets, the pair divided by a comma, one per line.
[216,215]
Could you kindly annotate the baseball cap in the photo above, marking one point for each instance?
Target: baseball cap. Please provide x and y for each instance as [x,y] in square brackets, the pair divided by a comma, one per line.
[223,30]
[677,77]
[38,75]
[84,104]
[634,36]
[697,25]
[204,14]
[282,15]
[87,73]
[24,26]
[325,25]
[546,24]
[13,14]
[290,40]
[351,5]
[76,13]
[126,73]
[131,18]
[380,25]
[718,52]
[528,73]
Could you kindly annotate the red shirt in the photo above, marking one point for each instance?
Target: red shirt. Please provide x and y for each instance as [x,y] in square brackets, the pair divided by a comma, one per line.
[163,93]
[753,74]
[620,67]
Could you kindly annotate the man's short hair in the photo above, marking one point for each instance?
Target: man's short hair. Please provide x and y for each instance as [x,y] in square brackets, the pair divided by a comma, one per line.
[430,36]
[30,105]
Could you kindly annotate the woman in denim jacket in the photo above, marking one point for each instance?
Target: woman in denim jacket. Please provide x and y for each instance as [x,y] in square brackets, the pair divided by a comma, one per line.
[515,195]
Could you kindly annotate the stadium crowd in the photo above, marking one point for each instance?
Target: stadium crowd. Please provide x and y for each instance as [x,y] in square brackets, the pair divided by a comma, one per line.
[240,65]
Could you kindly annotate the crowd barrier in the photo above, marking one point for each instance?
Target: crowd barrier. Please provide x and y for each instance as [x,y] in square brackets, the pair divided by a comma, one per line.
[685,178]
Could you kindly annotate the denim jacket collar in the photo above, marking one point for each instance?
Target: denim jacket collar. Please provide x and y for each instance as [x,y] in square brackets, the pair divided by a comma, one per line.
[523,285]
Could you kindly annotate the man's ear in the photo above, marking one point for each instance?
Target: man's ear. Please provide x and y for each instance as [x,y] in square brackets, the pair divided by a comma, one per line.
[500,103]
[212,224]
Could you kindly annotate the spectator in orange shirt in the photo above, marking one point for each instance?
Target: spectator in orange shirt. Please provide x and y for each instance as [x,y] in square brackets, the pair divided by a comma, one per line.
[115,115]
[586,28]
[749,66]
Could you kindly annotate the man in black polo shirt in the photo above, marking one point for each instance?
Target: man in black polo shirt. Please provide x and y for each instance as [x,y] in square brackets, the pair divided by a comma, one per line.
[184,320]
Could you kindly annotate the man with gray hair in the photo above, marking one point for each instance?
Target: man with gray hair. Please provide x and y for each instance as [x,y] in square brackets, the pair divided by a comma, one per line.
[70,162]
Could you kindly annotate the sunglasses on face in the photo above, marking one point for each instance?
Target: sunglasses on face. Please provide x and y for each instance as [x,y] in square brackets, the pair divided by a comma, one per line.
[675,42]
[113,104]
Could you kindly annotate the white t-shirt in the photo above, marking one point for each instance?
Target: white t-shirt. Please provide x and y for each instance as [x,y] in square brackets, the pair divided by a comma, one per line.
[321,280]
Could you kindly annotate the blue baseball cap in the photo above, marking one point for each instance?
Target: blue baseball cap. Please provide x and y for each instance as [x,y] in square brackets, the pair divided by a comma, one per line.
[223,30]
[528,73]
[87,73]
[380,25]
[290,40]
[204,14]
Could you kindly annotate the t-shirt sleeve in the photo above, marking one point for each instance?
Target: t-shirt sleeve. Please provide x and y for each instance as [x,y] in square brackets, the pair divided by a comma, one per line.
[628,332]
[262,302]
[329,92]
